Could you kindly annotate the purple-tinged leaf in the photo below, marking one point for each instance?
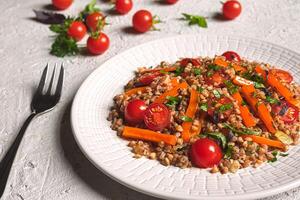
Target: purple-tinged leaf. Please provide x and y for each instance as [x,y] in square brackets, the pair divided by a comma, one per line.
[49,17]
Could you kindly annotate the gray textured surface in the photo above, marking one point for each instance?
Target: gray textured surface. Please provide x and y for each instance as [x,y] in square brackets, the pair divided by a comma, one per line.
[49,165]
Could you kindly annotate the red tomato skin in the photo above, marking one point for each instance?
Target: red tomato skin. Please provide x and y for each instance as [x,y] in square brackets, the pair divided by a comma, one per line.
[77,30]
[232,9]
[205,153]
[134,111]
[98,45]
[123,6]
[157,117]
[216,79]
[282,75]
[92,20]
[194,61]
[171,1]
[142,21]
[62,4]
[147,79]
[231,56]
[291,115]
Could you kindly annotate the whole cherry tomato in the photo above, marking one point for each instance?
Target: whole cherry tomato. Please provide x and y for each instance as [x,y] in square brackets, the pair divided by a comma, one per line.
[62,4]
[205,153]
[98,45]
[123,6]
[95,21]
[231,56]
[282,75]
[142,21]
[134,111]
[157,117]
[77,30]
[232,9]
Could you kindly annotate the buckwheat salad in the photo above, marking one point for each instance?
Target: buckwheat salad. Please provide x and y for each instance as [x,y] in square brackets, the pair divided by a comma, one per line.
[223,113]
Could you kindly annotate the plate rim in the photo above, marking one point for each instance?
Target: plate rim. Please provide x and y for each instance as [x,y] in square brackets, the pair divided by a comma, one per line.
[136,187]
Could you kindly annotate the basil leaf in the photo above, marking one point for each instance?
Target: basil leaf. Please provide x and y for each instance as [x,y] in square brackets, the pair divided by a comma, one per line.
[49,17]
[272,100]
[204,107]
[217,94]
[241,131]
[220,137]
[197,71]
[225,107]
[195,19]
[186,119]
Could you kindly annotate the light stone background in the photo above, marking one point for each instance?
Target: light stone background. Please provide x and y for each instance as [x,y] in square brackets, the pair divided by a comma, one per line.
[49,164]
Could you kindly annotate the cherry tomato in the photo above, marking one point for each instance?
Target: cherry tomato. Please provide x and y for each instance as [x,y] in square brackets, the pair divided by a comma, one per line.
[134,111]
[148,78]
[282,75]
[216,79]
[142,21]
[157,116]
[123,6]
[287,112]
[194,61]
[62,4]
[205,153]
[231,56]
[231,9]
[171,1]
[77,30]
[214,106]
[98,45]
[95,21]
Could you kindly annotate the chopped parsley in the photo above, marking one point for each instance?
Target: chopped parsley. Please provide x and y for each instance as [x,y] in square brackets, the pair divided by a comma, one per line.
[231,87]
[217,94]
[178,71]
[197,71]
[258,85]
[186,119]
[275,154]
[200,89]
[204,107]
[272,100]
[225,107]
[195,19]
[210,73]
[172,101]
[228,151]
[214,67]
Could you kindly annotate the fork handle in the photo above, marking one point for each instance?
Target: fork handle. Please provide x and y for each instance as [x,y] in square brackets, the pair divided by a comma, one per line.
[6,163]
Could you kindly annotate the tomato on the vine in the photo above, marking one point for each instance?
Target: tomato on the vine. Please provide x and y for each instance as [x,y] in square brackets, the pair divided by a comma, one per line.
[143,21]
[77,30]
[134,111]
[231,56]
[95,21]
[205,153]
[62,4]
[98,44]
[123,6]
[232,9]
[157,116]
[171,1]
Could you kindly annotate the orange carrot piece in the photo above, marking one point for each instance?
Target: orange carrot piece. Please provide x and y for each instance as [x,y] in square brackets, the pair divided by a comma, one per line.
[135,90]
[190,112]
[199,128]
[168,69]
[261,72]
[241,81]
[266,141]
[220,62]
[238,68]
[260,108]
[281,89]
[246,115]
[144,134]
[173,92]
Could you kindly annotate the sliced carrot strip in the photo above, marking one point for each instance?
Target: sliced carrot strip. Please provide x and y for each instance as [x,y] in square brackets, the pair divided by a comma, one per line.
[190,112]
[220,62]
[173,92]
[266,141]
[241,81]
[135,90]
[284,91]
[168,69]
[261,72]
[238,68]
[199,128]
[260,108]
[246,115]
[144,134]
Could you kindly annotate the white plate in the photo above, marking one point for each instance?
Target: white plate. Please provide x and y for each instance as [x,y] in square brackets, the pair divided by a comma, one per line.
[110,154]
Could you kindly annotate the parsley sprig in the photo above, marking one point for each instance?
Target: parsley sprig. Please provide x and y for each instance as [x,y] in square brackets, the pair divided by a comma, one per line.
[195,20]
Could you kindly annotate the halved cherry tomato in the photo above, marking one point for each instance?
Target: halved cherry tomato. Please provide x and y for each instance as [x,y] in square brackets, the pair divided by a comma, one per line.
[231,56]
[157,117]
[123,6]
[232,9]
[282,75]
[214,106]
[205,153]
[148,78]
[216,79]
[77,30]
[62,4]
[95,21]
[134,111]
[287,112]
[194,61]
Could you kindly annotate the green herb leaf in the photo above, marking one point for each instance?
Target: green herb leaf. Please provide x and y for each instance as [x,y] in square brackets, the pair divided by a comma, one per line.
[178,71]
[217,94]
[204,107]
[163,72]
[209,73]
[195,19]
[228,152]
[197,71]
[200,89]
[214,67]
[186,119]
[258,85]
[244,103]
[242,131]
[172,101]
[271,100]
[64,46]
[283,154]
[225,107]
[231,87]
[220,137]
[89,8]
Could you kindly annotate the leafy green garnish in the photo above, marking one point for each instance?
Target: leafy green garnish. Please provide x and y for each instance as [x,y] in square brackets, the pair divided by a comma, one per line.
[209,73]
[186,119]
[200,89]
[283,154]
[258,85]
[195,19]
[214,67]
[272,100]
[216,93]
[231,87]
[242,130]
[244,103]
[64,46]
[220,137]
[89,8]
[204,107]
[197,71]
[228,152]
[172,101]
[163,72]
[225,107]
[178,71]
[276,154]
